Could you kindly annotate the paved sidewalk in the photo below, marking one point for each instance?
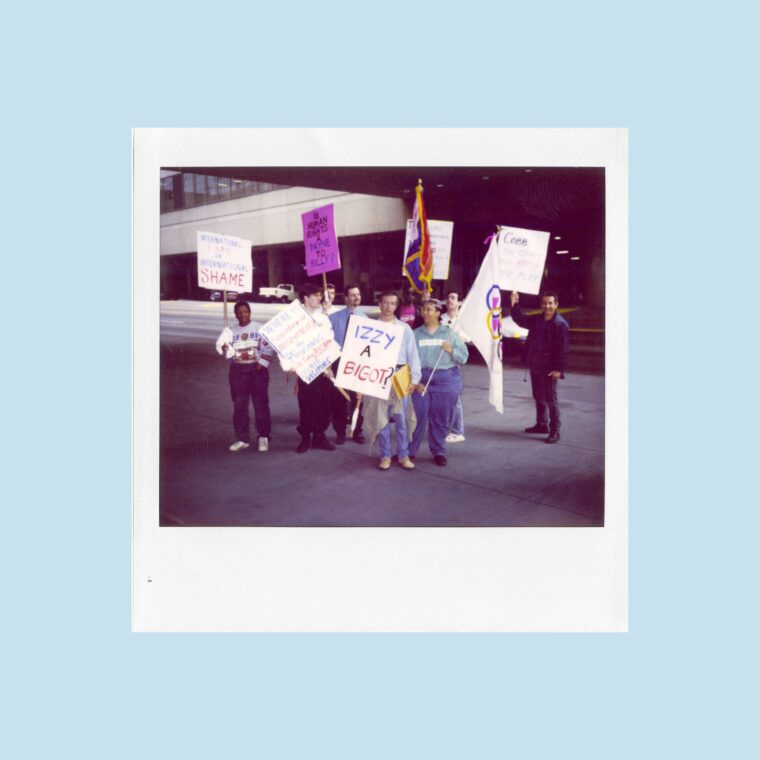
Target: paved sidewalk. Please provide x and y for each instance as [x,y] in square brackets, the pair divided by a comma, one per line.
[499,476]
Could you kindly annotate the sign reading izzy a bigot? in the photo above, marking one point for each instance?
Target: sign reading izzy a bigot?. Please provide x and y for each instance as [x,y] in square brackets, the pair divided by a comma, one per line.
[320,240]
[300,341]
[522,256]
[369,356]
[224,262]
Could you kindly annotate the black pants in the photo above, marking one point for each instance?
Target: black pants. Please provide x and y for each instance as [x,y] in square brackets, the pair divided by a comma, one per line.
[314,406]
[250,382]
[544,390]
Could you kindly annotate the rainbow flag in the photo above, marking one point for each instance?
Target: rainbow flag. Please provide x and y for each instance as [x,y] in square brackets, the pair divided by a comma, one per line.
[418,262]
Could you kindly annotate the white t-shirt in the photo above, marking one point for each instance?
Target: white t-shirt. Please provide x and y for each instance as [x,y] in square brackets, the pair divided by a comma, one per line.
[245,345]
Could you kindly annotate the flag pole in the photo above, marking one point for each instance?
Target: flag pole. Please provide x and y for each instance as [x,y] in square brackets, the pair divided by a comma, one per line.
[328,372]
[224,296]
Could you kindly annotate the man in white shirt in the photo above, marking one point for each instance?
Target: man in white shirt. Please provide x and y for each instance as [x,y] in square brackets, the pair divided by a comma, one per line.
[249,377]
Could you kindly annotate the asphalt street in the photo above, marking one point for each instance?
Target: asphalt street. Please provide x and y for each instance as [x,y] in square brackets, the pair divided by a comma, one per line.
[498,477]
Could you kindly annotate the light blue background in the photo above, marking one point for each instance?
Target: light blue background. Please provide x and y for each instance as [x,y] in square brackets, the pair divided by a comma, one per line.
[77,78]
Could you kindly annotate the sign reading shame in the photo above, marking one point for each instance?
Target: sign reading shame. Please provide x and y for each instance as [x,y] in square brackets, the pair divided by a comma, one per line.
[301,342]
[320,241]
[224,262]
[522,256]
[369,356]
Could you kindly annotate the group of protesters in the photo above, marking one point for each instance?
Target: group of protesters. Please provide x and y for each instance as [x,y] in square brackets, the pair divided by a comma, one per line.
[433,349]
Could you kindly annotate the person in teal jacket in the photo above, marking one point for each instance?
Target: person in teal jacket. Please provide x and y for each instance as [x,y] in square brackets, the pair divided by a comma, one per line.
[441,352]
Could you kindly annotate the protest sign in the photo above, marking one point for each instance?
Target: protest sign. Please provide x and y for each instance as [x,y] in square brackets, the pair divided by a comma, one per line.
[301,342]
[522,255]
[224,262]
[320,241]
[441,234]
[369,356]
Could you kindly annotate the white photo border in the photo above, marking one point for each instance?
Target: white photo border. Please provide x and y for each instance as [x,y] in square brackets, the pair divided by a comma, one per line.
[374,579]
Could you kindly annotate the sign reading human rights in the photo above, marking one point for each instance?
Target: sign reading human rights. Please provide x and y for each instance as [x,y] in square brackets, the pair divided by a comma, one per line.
[320,240]
[522,256]
[300,341]
[224,262]
[441,234]
[369,356]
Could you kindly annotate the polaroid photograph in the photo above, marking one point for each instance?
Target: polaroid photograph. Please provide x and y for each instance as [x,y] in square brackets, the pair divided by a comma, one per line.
[380,380]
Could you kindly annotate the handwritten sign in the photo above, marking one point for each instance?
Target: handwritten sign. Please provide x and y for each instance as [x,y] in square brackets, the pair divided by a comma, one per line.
[320,241]
[441,234]
[369,356]
[301,342]
[224,262]
[522,256]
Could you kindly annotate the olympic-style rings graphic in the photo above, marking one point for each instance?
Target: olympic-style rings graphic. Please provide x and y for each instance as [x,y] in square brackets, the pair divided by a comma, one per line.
[493,319]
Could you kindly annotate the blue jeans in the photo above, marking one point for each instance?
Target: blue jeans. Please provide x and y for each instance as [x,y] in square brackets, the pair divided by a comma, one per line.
[545,395]
[456,421]
[434,409]
[402,435]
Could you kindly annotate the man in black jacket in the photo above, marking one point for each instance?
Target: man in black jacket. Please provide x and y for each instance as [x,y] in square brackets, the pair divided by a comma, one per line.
[546,357]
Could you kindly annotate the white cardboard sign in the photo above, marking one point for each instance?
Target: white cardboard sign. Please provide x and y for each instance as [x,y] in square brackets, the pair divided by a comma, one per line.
[224,262]
[441,234]
[370,352]
[522,256]
[305,346]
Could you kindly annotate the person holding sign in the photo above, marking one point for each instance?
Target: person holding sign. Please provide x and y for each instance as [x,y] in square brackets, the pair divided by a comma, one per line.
[338,411]
[546,350]
[441,354]
[314,397]
[249,377]
[396,409]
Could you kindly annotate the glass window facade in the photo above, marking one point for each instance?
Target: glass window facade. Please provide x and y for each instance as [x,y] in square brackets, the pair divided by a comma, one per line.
[187,189]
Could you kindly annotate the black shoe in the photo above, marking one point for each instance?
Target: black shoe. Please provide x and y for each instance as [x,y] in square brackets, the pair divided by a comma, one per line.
[320,442]
[537,429]
[553,438]
[358,438]
[340,440]
[439,459]
[304,445]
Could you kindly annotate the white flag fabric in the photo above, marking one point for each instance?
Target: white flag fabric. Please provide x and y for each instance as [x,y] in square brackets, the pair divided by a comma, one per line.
[480,317]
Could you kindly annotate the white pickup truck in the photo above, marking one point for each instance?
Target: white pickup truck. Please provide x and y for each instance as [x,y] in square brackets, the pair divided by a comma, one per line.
[284,293]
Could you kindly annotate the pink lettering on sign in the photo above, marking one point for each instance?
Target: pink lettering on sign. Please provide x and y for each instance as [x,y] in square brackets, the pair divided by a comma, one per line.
[320,240]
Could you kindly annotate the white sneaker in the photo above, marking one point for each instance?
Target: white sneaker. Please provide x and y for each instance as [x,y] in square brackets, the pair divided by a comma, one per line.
[454,438]
[239,446]
[263,444]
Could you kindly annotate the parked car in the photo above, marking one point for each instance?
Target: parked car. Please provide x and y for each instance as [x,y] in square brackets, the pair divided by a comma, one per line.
[284,293]
[218,295]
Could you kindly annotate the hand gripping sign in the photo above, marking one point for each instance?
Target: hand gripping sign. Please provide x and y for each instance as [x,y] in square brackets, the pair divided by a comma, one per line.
[301,342]
[369,356]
